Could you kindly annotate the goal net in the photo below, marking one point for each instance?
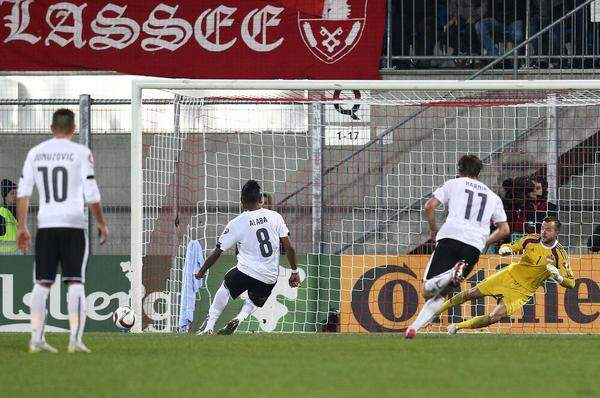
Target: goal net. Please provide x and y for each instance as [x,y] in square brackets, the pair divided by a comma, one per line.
[349,166]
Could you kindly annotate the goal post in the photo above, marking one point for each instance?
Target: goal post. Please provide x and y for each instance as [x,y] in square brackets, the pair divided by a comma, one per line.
[137,223]
[349,165]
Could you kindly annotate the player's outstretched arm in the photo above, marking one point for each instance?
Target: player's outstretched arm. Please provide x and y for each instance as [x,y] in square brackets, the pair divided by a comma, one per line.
[91,194]
[291,256]
[502,231]
[568,278]
[209,262]
[99,216]
[23,236]
[563,274]
[24,191]
[429,211]
[514,247]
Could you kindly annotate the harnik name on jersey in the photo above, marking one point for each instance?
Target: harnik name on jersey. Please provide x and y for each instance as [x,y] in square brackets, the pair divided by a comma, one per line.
[476,186]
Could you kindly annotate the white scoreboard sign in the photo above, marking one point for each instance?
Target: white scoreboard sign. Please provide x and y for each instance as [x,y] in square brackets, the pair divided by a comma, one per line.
[350,124]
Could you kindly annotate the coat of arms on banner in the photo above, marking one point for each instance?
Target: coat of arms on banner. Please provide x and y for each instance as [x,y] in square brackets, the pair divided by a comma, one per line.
[334,35]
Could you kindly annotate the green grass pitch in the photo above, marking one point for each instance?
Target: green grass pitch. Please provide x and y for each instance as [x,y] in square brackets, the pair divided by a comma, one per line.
[304,365]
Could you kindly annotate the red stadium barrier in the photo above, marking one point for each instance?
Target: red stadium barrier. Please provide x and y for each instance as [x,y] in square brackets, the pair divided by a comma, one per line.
[207,39]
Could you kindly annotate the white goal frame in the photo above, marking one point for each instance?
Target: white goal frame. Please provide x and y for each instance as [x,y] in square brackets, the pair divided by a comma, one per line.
[182,84]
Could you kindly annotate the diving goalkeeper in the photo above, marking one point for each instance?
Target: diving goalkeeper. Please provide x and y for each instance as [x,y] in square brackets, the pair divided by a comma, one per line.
[542,258]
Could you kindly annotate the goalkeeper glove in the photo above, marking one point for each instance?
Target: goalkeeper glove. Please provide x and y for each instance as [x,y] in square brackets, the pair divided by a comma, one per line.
[554,274]
[504,250]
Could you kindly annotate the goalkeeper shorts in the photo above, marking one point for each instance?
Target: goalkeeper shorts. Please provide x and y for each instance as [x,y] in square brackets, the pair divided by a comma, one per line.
[503,286]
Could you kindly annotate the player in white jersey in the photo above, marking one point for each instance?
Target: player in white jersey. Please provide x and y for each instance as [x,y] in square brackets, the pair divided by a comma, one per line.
[63,173]
[258,233]
[472,207]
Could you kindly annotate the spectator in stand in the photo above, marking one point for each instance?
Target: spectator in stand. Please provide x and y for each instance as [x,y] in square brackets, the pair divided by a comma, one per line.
[460,29]
[516,192]
[578,30]
[526,204]
[594,240]
[537,206]
[548,44]
[414,30]
[503,21]
[582,33]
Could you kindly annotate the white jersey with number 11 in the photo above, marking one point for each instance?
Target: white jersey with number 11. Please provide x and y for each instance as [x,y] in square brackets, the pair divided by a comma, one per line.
[472,207]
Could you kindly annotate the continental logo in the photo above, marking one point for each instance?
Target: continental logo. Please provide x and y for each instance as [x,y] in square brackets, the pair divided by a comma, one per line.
[382,294]
[383,282]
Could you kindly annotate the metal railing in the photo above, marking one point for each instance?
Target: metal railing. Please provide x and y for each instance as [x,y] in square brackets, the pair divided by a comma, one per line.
[549,35]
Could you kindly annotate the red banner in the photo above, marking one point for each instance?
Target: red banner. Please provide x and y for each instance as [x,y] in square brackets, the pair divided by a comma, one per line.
[269,39]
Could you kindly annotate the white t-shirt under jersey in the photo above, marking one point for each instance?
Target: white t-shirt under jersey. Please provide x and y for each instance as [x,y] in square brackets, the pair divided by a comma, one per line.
[257,233]
[471,206]
[63,172]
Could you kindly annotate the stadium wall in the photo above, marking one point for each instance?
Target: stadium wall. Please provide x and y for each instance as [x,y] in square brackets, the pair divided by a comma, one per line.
[381,294]
[377,293]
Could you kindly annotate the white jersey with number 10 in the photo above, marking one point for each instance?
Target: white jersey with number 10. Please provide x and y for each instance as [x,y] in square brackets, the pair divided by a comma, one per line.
[472,207]
[63,172]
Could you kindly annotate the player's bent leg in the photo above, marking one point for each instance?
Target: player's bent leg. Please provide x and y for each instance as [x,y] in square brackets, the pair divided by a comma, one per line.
[453,277]
[230,327]
[460,298]
[434,286]
[247,309]
[76,307]
[458,273]
[481,321]
[425,316]
[499,312]
[216,308]
[473,323]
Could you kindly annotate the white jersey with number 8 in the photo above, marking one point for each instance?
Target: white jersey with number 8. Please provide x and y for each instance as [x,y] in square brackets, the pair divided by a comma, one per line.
[472,207]
[257,233]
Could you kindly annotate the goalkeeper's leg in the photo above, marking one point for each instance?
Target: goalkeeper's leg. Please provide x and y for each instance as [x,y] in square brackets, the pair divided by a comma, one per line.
[460,298]
[481,321]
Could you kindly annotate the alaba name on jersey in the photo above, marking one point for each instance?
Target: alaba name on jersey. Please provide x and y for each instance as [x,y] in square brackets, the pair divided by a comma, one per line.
[471,207]
[257,234]
[63,172]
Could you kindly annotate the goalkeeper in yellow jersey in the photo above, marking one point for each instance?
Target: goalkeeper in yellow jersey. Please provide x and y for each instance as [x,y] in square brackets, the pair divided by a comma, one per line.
[542,258]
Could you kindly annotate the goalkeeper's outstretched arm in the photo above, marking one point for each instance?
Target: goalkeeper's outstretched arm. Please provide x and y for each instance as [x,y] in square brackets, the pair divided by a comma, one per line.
[515,247]
[563,277]
[209,262]
[568,278]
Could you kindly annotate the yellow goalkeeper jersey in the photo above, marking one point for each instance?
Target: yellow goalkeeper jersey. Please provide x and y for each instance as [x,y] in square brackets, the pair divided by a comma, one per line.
[530,271]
